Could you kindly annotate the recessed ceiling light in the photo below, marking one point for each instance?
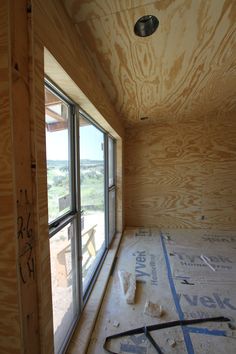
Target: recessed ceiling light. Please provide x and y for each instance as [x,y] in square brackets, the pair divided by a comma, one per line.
[146,25]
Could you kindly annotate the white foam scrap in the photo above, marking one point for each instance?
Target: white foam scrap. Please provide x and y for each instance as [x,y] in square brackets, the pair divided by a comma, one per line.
[128,284]
[207,261]
[167,237]
[171,342]
[153,309]
[116,324]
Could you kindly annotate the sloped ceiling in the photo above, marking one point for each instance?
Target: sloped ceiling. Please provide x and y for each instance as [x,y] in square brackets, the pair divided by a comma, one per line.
[185,70]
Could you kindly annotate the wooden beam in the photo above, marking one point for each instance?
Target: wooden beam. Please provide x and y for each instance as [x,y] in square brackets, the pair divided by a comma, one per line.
[50,98]
[23,184]
[10,324]
[55,115]
[54,127]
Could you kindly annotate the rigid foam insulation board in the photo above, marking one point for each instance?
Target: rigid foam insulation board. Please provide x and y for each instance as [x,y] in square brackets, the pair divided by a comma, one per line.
[170,271]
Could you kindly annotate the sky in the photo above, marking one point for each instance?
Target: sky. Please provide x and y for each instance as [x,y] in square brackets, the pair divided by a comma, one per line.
[91,140]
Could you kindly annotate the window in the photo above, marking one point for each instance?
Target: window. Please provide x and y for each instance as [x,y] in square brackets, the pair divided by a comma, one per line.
[62,215]
[58,156]
[111,189]
[64,285]
[111,161]
[81,206]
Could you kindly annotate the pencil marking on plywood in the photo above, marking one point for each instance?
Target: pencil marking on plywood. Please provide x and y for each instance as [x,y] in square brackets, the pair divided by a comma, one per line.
[25,238]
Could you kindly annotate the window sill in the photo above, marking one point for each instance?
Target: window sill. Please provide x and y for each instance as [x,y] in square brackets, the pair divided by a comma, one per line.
[82,334]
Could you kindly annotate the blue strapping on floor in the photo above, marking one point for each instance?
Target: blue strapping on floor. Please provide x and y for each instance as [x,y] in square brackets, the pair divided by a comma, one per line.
[212,332]
[181,277]
[130,348]
[187,339]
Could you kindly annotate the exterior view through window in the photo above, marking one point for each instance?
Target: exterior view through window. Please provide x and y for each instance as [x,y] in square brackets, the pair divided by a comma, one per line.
[62,217]
[58,159]
[81,206]
[111,189]
[92,187]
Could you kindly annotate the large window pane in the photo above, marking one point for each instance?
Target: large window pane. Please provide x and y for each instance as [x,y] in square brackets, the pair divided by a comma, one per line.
[63,277]
[58,161]
[92,186]
[111,161]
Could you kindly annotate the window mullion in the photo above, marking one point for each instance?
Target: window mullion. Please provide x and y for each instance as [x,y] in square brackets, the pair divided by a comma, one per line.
[106,159]
[78,201]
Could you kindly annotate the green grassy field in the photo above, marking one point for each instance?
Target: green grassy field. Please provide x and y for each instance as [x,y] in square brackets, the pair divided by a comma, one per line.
[92,186]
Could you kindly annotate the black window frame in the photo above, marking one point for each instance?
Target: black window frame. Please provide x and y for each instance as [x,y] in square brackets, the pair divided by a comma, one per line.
[73,215]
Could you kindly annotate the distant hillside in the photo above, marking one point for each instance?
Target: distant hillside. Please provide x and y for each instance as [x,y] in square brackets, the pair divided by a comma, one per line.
[61,163]
[91,162]
[57,163]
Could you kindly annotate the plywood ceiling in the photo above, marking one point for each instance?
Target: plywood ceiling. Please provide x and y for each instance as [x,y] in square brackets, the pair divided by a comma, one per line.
[186,70]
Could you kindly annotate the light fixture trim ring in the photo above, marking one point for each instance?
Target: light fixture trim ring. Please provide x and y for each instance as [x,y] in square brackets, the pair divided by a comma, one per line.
[146,25]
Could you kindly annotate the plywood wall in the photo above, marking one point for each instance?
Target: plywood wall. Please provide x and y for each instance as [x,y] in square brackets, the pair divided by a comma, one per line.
[219,194]
[182,175]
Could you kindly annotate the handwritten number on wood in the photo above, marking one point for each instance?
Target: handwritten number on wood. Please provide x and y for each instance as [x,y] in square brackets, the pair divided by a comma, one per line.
[22,276]
[28,262]
[30,265]
[22,229]
[20,223]
[25,237]
[28,230]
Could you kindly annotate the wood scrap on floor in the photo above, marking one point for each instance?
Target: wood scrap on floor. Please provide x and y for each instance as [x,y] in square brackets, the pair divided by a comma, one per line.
[153,309]
[128,285]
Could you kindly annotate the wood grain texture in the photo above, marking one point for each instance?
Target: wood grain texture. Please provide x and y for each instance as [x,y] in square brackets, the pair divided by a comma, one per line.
[10,336]
[161,186]
[84,10]
[220,164]
[186,69]
[176,174]
[23,184]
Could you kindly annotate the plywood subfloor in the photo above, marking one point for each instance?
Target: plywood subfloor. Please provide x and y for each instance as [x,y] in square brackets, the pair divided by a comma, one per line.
[170,270]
